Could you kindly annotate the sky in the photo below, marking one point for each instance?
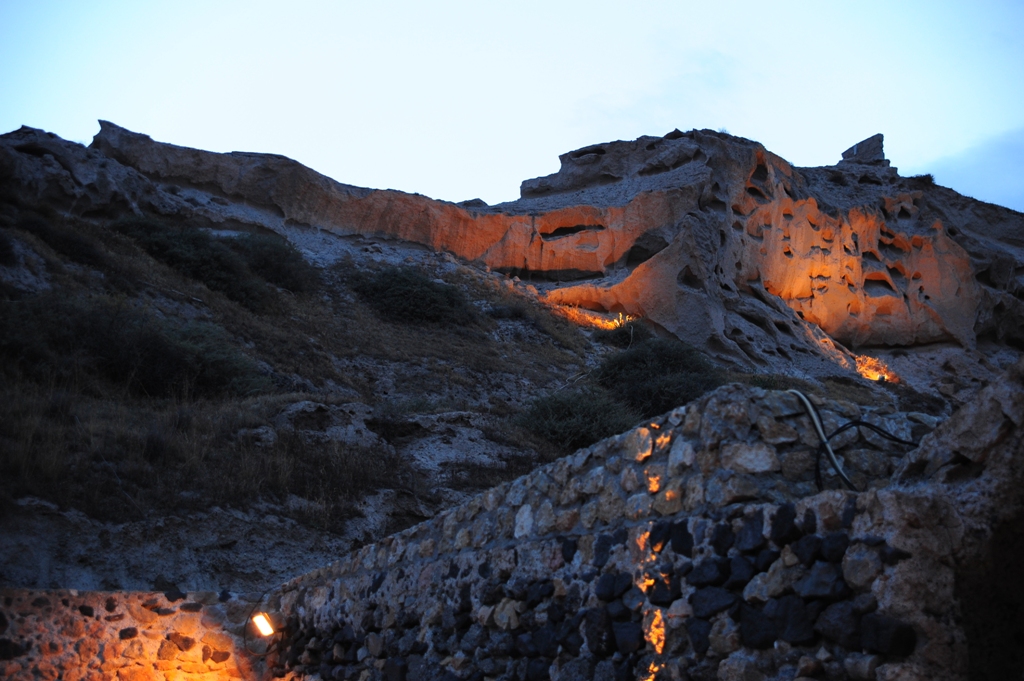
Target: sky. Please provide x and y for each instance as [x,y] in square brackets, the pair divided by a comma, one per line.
[460,100]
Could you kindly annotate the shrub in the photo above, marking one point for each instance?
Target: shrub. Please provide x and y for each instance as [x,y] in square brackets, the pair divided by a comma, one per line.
[405,294]
[925,181]
[277,261]
[623,336]
[197,255]
[65,241]
[577,418]
[51,338]
[658,375]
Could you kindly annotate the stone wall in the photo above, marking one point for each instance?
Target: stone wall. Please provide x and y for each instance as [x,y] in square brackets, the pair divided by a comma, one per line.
[693,547]
[127,636]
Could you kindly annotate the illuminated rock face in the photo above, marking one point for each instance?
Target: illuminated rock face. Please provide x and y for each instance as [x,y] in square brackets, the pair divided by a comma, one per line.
[706,235]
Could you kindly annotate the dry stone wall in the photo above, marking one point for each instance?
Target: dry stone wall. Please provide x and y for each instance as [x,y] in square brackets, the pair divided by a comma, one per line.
[693,547]
[124,636]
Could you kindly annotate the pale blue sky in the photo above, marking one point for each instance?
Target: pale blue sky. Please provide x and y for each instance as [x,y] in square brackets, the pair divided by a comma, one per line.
[461,100]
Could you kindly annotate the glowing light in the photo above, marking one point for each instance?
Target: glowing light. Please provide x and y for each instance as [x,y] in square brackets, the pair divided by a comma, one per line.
[593,320]
[653,483]
[655,633]
[263,625]
[875,369]
[652,670]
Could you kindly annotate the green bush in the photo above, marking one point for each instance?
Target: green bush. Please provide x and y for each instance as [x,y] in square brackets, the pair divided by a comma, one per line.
[50,338]
[65,241]
[405,294]
[277,261]
[197,255]
[658,375]
[623,336]
[577,418]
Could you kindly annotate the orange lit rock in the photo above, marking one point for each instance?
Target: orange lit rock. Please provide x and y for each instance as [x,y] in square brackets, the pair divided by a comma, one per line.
[706,236]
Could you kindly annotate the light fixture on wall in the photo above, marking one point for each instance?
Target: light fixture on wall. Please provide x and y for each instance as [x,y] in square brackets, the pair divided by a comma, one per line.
[263,625]
[260,621]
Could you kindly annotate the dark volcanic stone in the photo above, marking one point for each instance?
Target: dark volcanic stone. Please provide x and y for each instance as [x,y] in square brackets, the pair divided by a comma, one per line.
[580,669]
[840,623]
[849,512]
[765,559]
[395,669]
[568,548]
[757,630]
[708,572]
[617,610]
[665,589]
[865,603]
[545,640]
[629,637]
[794,619]
[824,580]
[537,670]
[3,623]
[784,529]
[722,538]
[834,545]
[710,600]
[492,594]
[602,548]
[86,610]
[886,635]
[810,522]
[741,571]
[682,540]
[699,630]
[475,638]
[501,644]
[597,625]
[573,643]
[525,646]
[611,585]
[807,548]
[751,535]
[660,535]
[128,632]
[538,592]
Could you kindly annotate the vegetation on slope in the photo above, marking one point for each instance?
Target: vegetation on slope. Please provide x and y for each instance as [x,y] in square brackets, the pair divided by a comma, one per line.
[132,385]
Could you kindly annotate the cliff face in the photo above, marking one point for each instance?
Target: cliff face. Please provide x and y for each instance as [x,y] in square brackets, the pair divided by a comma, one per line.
[701,233]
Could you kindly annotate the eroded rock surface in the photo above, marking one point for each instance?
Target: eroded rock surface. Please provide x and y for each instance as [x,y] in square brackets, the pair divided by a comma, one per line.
[708,236]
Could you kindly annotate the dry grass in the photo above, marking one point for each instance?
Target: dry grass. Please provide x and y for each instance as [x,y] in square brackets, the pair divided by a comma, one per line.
[87,439]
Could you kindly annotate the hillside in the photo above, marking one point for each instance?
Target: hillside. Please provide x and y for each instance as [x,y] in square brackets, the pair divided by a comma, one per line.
[221,370]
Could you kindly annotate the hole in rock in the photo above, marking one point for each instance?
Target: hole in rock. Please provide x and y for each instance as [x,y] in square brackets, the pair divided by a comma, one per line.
[560,232]
[868,179]
[688,278]
[878,287]
[756,193]
[587,151]
[991,595]
[645,248]
[760,173]
[904,214]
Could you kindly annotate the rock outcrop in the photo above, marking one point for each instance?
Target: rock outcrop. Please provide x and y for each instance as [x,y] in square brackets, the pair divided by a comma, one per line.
[708,236]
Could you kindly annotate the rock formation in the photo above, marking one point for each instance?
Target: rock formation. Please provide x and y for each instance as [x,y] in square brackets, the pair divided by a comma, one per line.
[708,236]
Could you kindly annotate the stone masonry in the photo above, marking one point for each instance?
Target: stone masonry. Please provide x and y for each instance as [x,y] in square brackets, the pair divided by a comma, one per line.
[693,547]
